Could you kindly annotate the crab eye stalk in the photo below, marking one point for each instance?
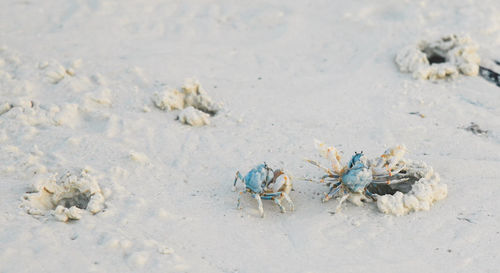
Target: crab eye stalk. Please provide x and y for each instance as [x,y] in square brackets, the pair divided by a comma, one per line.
[355,159]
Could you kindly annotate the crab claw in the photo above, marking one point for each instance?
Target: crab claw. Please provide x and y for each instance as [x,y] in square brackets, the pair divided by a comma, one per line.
[392,156]
[330,153]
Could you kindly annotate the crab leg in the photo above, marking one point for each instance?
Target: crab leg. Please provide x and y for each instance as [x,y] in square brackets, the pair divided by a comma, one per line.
[289,200]
[278,202]
[238,206]
[269,196]
[315,163]
[277,197]
[321,180]
[397,175]
[326,176]
[238,175]
[391,156]
[259,202]
[344,197]
[390,180]
[332,192]
[371,195]
[386,171]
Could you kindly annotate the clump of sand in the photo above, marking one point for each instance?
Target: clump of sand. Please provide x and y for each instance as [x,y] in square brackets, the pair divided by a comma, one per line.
[55,71]
[443,58]
[192,99]
[194,117]
[66,198]
[424,192]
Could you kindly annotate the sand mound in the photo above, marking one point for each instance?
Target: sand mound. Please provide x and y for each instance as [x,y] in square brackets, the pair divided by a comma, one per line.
[66,197]
[194,117]
[421,195]
[443,58]
[193,100]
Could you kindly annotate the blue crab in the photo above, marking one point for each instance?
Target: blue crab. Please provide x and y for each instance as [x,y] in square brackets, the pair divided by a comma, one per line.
[262,182]
[359,174]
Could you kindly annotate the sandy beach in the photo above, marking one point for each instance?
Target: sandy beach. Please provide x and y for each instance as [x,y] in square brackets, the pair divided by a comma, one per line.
[123,123]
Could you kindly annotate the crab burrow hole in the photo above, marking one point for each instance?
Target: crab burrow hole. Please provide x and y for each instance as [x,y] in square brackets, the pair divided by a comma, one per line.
[434,58]
[442,58]
[65,197]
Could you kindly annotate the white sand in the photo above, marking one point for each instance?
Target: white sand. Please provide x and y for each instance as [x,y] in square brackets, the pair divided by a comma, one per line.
[77,80]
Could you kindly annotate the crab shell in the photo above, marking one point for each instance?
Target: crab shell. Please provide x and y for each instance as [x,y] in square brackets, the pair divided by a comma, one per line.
[358,176]
[256,177]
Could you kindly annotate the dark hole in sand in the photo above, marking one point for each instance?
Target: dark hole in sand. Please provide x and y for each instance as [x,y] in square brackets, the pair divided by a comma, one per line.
[79,200]
[404,187]
[210,112]
[435,59]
